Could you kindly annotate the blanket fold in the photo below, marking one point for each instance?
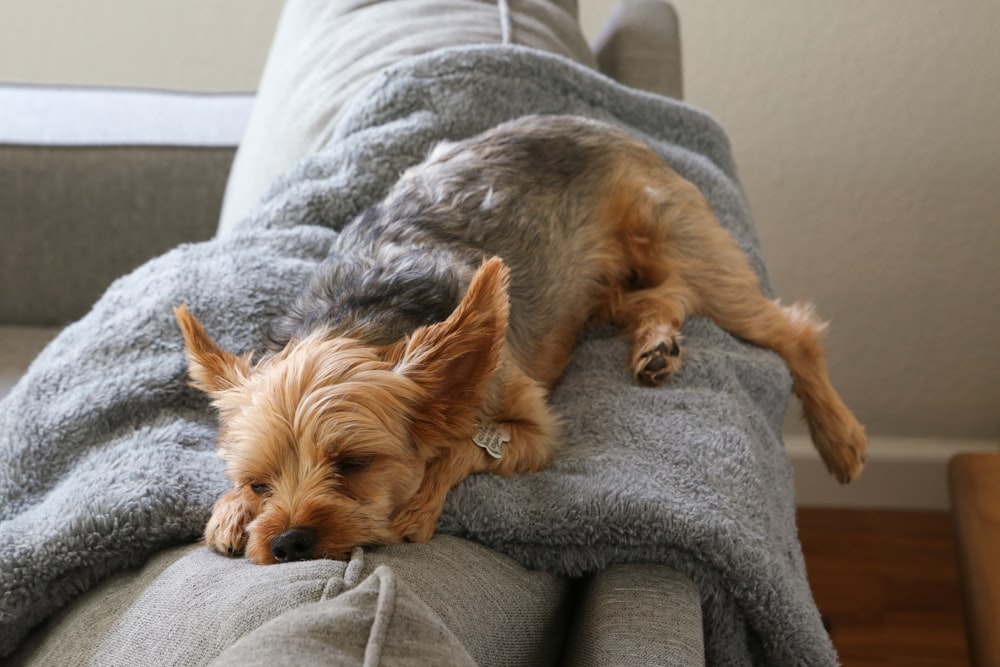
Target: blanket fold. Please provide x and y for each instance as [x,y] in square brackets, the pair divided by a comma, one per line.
[107,456]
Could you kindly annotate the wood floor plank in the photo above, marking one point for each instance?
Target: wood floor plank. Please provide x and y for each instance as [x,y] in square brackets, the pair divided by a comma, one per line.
[887,585]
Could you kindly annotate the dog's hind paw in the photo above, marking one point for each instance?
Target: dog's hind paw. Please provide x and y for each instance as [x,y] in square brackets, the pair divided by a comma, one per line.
[655,358]
[844,450]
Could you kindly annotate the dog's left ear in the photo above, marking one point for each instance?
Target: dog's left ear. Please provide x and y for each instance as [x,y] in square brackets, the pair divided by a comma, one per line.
[453,360]
[211,368]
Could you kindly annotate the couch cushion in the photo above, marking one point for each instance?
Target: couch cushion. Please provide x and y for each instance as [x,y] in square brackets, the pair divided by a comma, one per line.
[93,182]
[72,636]
[506,614]
[451,601]
[380,622]
[324,53]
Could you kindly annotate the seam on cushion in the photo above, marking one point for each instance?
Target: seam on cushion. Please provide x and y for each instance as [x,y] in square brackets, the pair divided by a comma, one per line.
[385,608]
[346,578]
[355,568]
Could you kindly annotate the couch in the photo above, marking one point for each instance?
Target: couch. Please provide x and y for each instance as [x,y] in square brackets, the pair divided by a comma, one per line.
[91,194]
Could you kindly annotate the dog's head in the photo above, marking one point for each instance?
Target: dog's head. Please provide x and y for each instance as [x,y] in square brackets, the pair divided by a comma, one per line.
[327,441]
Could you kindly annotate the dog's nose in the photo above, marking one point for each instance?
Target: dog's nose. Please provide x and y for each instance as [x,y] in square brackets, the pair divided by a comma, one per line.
[293,544]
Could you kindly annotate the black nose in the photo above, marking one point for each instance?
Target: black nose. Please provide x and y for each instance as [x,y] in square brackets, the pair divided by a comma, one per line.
[293,544]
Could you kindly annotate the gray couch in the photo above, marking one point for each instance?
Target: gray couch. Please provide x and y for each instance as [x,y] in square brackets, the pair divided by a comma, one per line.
[95,182]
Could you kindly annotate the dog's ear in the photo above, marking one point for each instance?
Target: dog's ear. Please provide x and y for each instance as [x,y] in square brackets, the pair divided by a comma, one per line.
[454,359]
[211,369]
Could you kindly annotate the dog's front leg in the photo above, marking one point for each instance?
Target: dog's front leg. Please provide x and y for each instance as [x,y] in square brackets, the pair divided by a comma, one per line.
[226,531]
[415,521]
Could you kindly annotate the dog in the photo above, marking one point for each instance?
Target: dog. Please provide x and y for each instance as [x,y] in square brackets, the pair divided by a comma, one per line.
[426,345]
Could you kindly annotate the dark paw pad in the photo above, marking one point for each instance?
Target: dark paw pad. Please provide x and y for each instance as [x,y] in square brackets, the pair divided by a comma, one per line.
[659,363]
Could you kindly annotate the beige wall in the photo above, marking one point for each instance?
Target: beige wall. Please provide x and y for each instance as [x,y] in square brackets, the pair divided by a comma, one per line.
[867,134]
[204,45]
[868,140]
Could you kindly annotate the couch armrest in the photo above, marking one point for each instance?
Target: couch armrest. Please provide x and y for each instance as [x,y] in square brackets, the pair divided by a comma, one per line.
[640,47]
[638,614]
[94,182]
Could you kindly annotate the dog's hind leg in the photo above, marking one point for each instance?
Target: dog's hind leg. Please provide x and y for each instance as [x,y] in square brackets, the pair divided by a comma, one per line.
[655,298]
[794,333]
[654,317]
[686,263]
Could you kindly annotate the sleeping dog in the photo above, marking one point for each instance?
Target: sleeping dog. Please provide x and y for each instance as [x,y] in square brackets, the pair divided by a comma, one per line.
[426,345]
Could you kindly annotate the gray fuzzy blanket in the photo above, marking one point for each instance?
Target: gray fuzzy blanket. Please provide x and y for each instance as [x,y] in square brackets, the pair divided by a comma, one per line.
[107,456]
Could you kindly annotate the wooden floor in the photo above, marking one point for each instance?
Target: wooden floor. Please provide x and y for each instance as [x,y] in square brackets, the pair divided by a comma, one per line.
[887,585]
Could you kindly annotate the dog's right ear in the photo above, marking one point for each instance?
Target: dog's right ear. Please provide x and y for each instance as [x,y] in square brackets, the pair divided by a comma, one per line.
[211,369]
[453,360]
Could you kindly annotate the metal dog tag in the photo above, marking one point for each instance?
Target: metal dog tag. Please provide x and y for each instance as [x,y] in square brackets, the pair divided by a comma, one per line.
[492,438]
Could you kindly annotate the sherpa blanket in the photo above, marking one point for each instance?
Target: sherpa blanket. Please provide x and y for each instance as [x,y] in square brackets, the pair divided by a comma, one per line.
[107,456]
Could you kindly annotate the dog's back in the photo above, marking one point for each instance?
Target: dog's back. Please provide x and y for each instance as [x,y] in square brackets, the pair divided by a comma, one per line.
[535,192]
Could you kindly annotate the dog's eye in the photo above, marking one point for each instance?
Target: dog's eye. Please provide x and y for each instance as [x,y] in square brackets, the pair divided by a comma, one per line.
[260,489]
[348,466]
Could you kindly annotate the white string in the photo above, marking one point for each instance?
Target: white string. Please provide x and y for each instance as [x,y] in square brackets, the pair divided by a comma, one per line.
[505,21]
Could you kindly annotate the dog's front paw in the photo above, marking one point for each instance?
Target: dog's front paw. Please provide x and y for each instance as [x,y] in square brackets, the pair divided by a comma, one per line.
[656,356]
[226,529]
[415,524]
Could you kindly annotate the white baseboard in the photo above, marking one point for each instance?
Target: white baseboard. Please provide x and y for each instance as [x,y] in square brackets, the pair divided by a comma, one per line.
[901,473]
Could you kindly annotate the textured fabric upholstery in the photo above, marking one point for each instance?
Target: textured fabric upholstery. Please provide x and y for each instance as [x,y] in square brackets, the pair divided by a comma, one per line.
[445,602]
[637,615]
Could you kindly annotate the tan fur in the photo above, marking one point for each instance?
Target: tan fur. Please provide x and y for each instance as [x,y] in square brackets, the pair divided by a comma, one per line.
[407,411]
[346,443]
